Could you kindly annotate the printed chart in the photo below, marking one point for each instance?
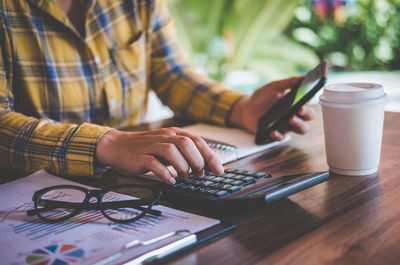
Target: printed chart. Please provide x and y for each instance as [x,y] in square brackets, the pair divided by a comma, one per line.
[55,255]
[83,239]
[36,229]
[146,223]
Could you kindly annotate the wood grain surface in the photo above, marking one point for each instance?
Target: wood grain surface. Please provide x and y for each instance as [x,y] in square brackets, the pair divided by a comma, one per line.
[345,220]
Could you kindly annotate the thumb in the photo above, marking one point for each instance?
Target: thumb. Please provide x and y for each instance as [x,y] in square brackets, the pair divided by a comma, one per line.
[276,89]
[282,85]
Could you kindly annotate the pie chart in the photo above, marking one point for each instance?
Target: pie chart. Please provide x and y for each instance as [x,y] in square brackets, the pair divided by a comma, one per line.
[63,254]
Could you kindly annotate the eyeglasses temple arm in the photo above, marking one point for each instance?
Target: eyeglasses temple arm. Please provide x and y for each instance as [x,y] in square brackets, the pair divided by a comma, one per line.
[49,205]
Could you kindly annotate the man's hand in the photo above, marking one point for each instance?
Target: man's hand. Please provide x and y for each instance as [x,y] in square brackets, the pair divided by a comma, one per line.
[249,109]
[133,153]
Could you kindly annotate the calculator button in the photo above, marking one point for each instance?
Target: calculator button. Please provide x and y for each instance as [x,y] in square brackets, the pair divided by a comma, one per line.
[178,184]
[233,189]
[260,175]
[251,173]
[208,177]
[227,181]
[197,182]
[241,171]
[247,179]
[185,187]
[239,177]
[194,188]
[257,174]
[211,192]
[230,170]
[237,183]
[218,179]
[216,185]
[229,175]
[248,183]
[221,193]
[207,183]
[226,186]
[203,189]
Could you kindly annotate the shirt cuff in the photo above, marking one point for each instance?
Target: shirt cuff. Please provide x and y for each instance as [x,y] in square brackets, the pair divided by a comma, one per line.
[222,108]
[81,150]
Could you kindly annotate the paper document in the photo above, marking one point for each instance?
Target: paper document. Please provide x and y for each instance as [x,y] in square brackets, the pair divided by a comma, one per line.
[241,139]
[84,239]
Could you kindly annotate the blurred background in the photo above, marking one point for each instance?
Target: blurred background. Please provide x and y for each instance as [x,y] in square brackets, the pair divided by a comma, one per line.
[246,43]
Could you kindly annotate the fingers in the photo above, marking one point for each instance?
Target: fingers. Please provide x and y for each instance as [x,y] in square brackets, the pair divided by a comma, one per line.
[211,161]
[272,92]
[170,153]
[282,85]
[306,113]
[153,164]
[140,152]
[192,154]
[297,123]
[190,151]
[277,136]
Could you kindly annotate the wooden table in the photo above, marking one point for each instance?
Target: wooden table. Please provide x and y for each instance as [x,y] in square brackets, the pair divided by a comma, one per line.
[346,220]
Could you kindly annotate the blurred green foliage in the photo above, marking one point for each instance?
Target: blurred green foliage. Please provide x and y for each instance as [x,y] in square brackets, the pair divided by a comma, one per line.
[223,36]
[361,35]
[279,38]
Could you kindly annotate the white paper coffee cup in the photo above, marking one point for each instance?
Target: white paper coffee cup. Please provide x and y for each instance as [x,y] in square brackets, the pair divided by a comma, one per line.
[353,115]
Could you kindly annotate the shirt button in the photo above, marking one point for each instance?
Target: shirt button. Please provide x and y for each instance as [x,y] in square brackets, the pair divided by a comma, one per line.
[97,60]
[112,103]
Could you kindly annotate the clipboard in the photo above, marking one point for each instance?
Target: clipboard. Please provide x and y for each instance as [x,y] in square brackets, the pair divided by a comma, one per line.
[203,237]
[90,239]
[165,247]
[230,144]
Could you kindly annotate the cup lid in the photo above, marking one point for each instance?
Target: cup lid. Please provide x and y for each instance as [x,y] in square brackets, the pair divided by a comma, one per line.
[354,94]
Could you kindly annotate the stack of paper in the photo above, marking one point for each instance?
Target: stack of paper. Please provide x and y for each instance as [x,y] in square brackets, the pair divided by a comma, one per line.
[241,139]
[83,239]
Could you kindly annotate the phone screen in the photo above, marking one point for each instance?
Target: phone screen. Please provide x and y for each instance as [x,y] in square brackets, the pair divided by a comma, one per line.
[305,87]
[277,116]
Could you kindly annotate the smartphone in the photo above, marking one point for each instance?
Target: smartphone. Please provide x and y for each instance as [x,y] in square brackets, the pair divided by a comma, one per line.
[277,117]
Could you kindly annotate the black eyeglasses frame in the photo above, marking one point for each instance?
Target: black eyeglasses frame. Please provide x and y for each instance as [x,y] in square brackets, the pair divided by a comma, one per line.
[78,207]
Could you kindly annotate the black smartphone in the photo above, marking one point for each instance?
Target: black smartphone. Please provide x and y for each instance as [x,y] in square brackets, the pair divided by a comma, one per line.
[277,117]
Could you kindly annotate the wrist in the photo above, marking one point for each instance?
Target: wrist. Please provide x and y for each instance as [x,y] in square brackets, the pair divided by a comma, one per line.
[104,146]
[236,115]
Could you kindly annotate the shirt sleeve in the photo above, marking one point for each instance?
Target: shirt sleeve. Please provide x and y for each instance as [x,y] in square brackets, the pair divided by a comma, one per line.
[188,94]
[28,144]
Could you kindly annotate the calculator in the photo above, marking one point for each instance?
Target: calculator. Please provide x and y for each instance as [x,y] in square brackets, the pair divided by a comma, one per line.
[238,186]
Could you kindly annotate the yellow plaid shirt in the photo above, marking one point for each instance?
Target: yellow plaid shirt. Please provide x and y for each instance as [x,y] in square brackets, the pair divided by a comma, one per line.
[60,91]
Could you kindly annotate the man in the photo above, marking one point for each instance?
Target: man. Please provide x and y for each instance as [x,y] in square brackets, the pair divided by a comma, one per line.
[71,70]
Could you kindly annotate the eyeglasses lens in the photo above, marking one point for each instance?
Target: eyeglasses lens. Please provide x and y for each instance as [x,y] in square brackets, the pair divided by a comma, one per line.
[59,203]
[127,203]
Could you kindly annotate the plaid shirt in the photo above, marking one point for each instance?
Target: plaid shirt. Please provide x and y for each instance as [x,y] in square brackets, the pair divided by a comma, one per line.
[60,91]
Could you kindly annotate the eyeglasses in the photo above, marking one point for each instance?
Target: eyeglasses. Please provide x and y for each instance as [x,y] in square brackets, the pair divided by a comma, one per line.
[120,204]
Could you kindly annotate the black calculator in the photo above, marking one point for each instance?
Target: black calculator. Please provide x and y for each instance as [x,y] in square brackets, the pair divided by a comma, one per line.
[238,186]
